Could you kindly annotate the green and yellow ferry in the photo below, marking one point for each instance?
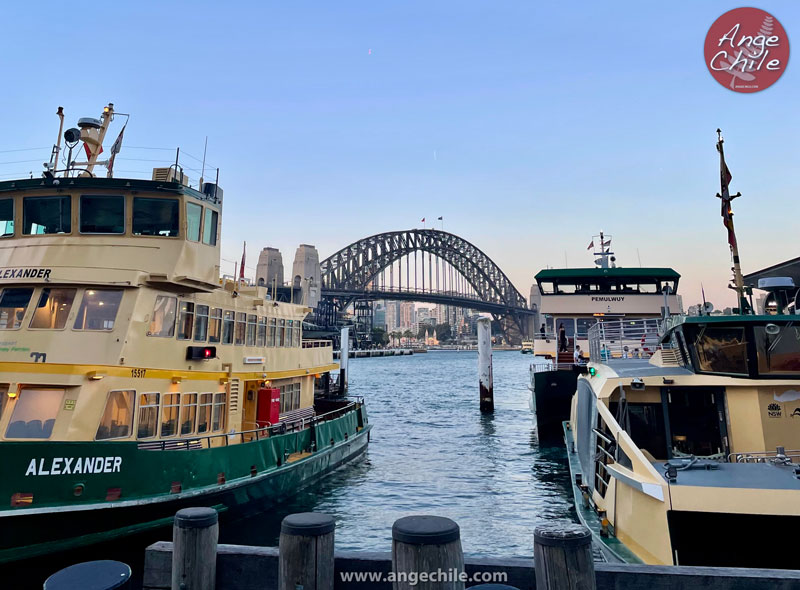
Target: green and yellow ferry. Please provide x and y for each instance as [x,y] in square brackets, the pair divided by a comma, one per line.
[133,381]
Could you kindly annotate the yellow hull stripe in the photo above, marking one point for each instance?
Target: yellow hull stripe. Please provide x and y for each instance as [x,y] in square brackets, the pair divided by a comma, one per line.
[128,371]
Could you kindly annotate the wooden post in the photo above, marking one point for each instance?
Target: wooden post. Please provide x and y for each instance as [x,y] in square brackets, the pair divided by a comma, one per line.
[562,556]
[426,554]
[344,358]
[194,553]
[306,552]
[485,378]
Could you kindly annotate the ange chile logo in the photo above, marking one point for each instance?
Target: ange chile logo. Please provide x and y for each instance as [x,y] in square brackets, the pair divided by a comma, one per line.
[746,50]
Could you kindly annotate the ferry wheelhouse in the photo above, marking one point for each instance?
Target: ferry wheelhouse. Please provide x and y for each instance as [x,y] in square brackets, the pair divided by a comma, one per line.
[569,302]
[133,381]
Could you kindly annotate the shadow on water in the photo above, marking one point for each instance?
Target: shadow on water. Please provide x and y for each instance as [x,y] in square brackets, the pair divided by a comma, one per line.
[431,452]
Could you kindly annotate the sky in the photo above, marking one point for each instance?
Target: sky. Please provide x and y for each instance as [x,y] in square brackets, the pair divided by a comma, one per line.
[527,126]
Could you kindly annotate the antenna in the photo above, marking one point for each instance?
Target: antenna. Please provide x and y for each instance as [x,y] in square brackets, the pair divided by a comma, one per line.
[203,167]
[57,147]
[639,257]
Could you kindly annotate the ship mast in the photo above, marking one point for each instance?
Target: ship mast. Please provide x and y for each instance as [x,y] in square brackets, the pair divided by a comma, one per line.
[727,220]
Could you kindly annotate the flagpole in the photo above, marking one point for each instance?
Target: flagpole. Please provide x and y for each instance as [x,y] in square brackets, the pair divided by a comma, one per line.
[727,214]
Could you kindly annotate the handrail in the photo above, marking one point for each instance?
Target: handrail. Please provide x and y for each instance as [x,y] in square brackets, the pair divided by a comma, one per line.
[317,344]
[764,456]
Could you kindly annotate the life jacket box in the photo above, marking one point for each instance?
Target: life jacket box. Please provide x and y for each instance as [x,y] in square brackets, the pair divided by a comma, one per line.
[269,406]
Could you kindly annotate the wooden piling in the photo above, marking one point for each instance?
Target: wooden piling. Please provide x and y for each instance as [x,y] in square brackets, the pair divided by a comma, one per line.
[562,555]
[306,552]
[485,378]
[194,557]
[426,554]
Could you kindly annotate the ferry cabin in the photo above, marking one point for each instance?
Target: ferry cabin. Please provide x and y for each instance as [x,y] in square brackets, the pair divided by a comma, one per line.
[579,298]
[114,324]
[690,457]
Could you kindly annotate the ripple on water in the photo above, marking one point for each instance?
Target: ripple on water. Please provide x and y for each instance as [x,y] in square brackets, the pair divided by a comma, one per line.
[433,452]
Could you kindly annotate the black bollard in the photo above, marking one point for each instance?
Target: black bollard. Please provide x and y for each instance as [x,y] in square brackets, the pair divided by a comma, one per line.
[90,575]
[426,554]
[562,557]
[306,552]
[194,549]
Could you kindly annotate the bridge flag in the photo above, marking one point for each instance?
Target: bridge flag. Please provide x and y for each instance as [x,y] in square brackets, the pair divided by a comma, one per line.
[591,245]
[241,269]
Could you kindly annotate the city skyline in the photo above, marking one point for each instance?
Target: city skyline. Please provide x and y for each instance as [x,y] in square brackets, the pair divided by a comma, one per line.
[332,125]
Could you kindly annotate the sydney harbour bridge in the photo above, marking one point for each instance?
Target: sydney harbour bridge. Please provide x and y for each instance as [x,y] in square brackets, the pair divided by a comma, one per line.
[423,265]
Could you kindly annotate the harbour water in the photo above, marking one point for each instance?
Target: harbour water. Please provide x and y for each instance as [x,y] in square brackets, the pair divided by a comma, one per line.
[431,452]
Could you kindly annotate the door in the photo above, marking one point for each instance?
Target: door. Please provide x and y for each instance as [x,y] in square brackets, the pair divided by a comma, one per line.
[696,422]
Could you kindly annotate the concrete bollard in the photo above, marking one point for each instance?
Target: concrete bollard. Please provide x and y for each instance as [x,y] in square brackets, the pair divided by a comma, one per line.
[562,556]
[194,553]
[485,377]
[306,552]
[426,554]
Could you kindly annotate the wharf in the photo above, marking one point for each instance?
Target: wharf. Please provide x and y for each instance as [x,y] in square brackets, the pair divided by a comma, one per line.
[376,352]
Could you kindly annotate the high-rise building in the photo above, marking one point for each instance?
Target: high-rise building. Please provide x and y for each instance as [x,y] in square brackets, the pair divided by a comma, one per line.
[379,315]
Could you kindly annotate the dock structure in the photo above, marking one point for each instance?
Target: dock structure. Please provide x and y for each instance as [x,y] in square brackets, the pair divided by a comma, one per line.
[428,547]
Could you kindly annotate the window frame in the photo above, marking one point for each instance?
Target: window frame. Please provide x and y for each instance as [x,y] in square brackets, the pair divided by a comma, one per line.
[83,298]
[164,406]
[13,217]
[213,316]
[142,407]
[183,406]
[240,328]
[189,238]
[207,407]
[174,200]
[17,404]
[93,233]
[229,322]
[27,306]
[69,309]
[67,198]
[185,313]
[133,413]
[223,411]
[261,332]
[272,332]
[197,315]
[174,317]
[251,327]
[214,222]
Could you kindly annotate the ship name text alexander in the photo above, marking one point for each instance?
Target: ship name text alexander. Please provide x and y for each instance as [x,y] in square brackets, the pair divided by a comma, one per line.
[71,465]
[25,273]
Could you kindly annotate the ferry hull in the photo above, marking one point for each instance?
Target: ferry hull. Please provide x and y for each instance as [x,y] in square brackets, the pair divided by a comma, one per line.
[552,398]
[33,531]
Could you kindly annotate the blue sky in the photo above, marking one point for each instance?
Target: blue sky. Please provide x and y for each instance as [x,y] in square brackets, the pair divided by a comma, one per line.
[528,126]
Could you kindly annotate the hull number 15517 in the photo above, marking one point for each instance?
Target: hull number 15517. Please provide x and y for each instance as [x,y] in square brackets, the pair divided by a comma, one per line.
[138,373]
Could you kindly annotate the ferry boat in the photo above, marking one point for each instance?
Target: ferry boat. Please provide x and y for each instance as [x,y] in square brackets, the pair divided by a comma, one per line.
[688,455]
[133,381]
[575,299]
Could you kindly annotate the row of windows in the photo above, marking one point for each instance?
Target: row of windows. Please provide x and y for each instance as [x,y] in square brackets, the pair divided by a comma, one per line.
[105,214]
[202,323]
[167,415]
[97,311]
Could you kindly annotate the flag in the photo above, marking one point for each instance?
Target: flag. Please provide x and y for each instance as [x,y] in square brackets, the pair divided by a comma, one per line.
[422,220]
[440,218]
[88,150]
[241,269]
[591,245]
[608,243]
[115,149]
[725,195]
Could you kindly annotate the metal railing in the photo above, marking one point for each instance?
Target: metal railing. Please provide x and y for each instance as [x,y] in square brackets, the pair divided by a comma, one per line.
[624,339]
[245,436]
[779,456]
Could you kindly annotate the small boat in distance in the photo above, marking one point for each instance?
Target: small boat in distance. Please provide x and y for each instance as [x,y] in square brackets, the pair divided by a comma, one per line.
[133,381]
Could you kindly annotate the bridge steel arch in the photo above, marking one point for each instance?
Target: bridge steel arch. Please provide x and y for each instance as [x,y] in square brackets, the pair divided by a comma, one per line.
[350,271]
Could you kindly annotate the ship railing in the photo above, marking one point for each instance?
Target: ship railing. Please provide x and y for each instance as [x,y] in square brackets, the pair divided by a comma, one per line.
[624,339]
[779,456]
[244,436]
[317,344]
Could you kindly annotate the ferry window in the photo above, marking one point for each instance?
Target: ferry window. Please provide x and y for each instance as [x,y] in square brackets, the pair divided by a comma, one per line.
[201,323]
[271,333]
[281,329]
[53,308]
[240,328]
[186,320]
[169,414]
[155,217]
[204,412]
[46,215]
[296,334]
[6,218]
[215,325]
[218,416]
[251,330]
[778,349]
[102,214]
[583,326]
[210,227]
[194,213]
[162,324]
[117,420]
[13,303]
[290,397]
[569,326]
[98,310]
[148,415]
[261,337]
[188,413]
[35,413]
[227,328]
[721,349]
